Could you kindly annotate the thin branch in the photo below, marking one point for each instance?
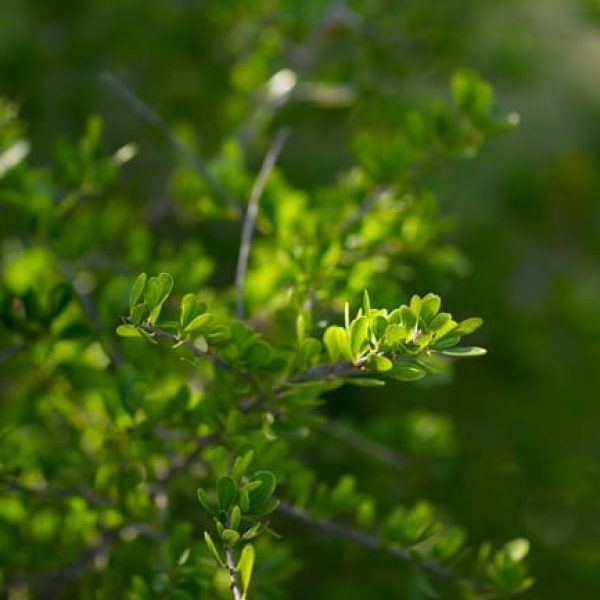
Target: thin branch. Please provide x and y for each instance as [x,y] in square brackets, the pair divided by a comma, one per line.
[174,339]
[318,373]
[365,206]
[365,445]
[83,491]
[369,541]
[49,585]
[154,119]
[251,213]
[233,577]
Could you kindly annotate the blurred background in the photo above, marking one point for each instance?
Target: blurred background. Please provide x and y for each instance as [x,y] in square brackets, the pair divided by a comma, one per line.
[511,445]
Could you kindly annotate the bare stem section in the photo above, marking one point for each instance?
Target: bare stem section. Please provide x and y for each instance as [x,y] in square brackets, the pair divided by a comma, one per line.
[251,213]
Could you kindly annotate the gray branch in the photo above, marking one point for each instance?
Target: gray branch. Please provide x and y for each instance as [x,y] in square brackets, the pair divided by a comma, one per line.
[251,213]
[155,120]
[369,541]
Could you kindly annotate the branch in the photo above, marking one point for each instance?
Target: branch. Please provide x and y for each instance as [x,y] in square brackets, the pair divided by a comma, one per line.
[48,585]
[368,541]
[317,373]
[154,119]
[233,579]
[365,445]
[365,206]
[251,214]
[83,491]
[174,339]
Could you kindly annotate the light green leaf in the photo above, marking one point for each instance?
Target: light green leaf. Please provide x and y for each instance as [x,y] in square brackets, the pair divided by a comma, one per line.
[359,330]
[241,464]
[465,351]
[212,547]
[188,309]
[394,334]
[469,325]
[236,517]
[245,567]
[128,331]
[337,343]
[380,363]
[137,290]
[407,373]
[430,306]
[229,536]
[201,323]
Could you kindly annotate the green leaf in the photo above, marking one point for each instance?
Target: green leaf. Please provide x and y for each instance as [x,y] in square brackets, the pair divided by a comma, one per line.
[430,306]
[446,342]
[205,502]
[337,343]
[241,464]
[127,330]
[138,313]
[394,335]
[188,310]
[366,303]
[408,319]
[226,492]
[264,508]
[229,536]
[442,324]
[469,325]
[407,372]
[265,490]
[236,517]
[244,500]
[137,290]
[359,336]
[253,532]
[380,363]
[415,306]
[245,566]
[212,547]
[465,351]
[201,323]
[156,292]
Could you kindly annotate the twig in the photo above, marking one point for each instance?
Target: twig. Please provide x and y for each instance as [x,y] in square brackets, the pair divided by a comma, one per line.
[48,585]
[171,337]
[83,491]
[252,212]
[365,445]
[318,373]
[233,578]
[368,541]
[154,119]
[365,206]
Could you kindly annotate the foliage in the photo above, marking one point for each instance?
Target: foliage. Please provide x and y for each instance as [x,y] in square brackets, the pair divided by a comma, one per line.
[138,469]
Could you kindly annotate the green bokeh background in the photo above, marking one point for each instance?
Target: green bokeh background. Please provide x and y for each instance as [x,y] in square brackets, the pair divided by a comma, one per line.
[524,458]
